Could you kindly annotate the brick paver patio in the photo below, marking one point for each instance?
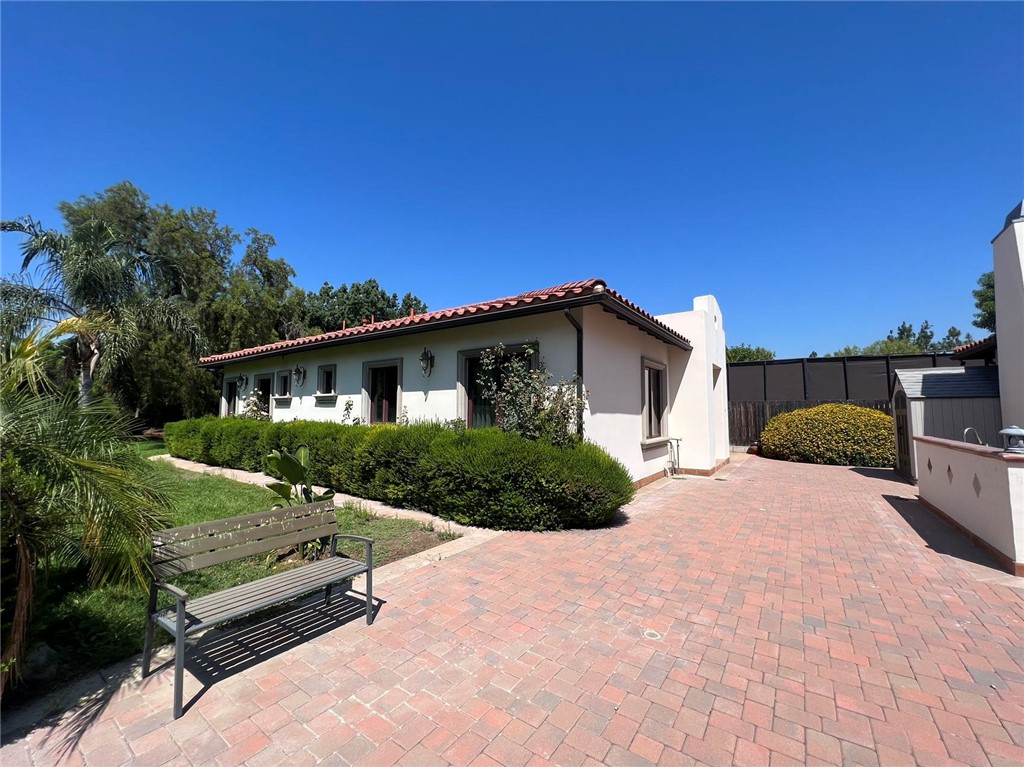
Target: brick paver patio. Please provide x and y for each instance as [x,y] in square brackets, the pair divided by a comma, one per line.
[789,615]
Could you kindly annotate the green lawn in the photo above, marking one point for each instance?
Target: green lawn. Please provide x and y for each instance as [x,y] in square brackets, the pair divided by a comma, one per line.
[90,628]
[150,447]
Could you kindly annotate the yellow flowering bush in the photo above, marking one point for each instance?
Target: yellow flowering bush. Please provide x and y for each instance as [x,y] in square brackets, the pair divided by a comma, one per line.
[842,435]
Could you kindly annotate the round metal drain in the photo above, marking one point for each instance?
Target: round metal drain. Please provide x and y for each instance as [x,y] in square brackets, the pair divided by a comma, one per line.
[652,634]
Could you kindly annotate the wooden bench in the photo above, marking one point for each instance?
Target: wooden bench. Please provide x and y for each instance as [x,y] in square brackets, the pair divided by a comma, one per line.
[185,549]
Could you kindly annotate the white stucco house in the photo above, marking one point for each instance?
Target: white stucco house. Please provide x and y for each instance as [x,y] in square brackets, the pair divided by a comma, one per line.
[652,383]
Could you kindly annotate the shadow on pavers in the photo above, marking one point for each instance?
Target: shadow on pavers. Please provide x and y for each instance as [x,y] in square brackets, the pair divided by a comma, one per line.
[939,536]
[211,658]
[888,474]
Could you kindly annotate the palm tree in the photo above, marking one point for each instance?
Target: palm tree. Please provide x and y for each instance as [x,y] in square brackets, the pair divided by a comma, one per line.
[73,487]
[93,275]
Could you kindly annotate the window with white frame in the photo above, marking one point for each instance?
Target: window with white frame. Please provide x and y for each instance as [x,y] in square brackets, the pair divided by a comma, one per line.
[654,400]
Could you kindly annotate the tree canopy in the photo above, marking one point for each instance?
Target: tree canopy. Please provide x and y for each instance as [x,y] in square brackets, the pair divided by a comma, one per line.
[190,260]
[985,302]
[748,353]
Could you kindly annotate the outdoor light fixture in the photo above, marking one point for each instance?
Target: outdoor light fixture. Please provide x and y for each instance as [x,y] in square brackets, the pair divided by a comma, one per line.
[426,362]
[243,381]
[1013,439]
[299,374]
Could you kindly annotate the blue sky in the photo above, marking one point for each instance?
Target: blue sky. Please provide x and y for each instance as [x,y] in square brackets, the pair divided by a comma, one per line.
[826,170]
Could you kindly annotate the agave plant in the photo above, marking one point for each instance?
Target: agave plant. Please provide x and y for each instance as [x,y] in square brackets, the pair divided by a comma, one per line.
[296,487]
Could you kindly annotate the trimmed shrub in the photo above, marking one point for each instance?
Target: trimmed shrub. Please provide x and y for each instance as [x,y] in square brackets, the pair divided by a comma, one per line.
[482,477]
[837,434]
[387,463]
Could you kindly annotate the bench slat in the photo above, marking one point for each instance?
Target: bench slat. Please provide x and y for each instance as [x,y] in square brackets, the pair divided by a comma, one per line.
[164,552]
[187,564]
[234,602]
[236,523]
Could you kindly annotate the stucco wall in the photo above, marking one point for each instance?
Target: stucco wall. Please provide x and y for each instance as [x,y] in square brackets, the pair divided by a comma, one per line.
[422,398]
[702,417]
[613,373]
[613,365]
[978,488]
[1008,258]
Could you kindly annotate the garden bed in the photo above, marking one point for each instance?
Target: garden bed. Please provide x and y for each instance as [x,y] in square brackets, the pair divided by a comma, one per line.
[89,628]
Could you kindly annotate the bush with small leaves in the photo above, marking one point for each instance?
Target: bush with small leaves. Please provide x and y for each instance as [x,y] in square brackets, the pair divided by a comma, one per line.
[837,434]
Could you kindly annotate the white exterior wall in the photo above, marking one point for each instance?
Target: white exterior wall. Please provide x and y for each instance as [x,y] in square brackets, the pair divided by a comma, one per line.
[992,508]
[612,371]
[1008,257]
[438,397]
[613,354]
[702,417]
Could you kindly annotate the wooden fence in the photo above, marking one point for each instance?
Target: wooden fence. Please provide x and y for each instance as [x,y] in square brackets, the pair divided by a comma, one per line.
[747,419]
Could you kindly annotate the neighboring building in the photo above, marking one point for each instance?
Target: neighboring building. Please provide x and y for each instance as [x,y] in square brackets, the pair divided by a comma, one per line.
[978,489]
[649,380]
[944,402]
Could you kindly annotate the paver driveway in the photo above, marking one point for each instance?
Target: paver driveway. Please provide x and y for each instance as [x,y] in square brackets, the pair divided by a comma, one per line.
[788,615]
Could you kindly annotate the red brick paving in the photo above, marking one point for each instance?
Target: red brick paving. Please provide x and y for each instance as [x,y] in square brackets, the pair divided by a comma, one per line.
[802,621]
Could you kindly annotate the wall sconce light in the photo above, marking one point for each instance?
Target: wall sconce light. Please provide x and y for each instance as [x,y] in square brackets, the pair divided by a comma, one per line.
[243,381]
[299,374]
[1013,439]
[426,362]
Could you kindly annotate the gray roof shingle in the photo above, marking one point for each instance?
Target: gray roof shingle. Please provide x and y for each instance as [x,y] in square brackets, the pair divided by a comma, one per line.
[950,383]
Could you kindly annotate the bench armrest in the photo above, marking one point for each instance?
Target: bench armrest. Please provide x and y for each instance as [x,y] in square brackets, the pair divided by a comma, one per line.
[367,541]
[362,538]
[174,591]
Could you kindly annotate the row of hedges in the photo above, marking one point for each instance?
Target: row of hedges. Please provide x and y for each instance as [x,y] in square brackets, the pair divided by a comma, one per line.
[481,477]
[836,434]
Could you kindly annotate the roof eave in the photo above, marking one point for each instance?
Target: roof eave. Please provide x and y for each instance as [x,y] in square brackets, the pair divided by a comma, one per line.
[628,313]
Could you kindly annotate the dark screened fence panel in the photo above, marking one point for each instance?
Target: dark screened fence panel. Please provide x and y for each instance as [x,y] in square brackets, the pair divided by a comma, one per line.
[826,380]
[867,379]
[784,381]
[758,391]
[746,383]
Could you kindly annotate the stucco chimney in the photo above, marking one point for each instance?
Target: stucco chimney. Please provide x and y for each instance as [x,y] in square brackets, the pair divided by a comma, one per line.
[1008,261]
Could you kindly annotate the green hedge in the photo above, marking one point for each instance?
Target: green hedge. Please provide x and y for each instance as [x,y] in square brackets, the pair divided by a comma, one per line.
[482,477]
[843,435]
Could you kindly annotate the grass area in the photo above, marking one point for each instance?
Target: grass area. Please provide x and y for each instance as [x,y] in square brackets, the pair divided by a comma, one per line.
[151,447]
[90,628]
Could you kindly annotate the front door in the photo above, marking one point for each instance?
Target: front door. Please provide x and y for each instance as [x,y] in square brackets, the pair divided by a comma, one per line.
[231,399]
[384,394]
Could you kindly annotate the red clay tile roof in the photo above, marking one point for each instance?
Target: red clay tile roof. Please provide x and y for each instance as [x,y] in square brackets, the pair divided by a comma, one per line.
[975,347]
[511,305]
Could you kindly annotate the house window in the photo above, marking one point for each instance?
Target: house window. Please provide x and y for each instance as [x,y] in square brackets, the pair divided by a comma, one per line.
[654,400]
[480,412]
[326,382]
[284,384]
[382,391]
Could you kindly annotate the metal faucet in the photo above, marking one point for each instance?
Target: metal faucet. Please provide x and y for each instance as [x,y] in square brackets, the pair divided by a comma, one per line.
[971,428]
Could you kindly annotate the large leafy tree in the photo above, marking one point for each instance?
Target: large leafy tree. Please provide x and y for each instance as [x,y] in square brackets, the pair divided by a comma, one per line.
[747,353]
[74,490]
[347,305]
[93,275]
[985,302]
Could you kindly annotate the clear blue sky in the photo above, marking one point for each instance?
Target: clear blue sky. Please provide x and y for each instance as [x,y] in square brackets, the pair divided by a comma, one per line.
[826,170]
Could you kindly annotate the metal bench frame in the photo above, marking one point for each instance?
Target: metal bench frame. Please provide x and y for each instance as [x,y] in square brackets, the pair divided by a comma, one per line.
[185,549]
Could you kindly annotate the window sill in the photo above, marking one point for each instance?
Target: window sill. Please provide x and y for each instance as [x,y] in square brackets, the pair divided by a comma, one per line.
[646,444]
[328,400]
[282,401]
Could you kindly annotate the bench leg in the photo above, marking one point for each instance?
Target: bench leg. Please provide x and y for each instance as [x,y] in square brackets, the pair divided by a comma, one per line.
[369,594]
[327,594]
[147,648]
[179,661]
